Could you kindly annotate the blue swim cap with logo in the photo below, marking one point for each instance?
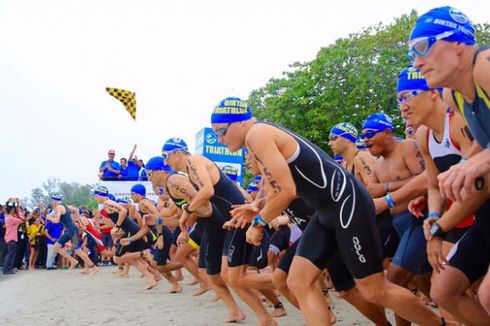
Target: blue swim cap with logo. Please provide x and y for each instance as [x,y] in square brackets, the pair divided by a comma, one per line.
[57,197]
[101,191]
[444,19]
[378,121]
[157,163]
[231,109]
[411,79]
[345,130]
[360,144]
[174,144]
[230,172]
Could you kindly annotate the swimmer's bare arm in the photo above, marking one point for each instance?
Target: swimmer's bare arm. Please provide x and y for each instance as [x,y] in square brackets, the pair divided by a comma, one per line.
[435,203]
[112,206]
[180,187]
[364,166]
[274,170]
[199,173]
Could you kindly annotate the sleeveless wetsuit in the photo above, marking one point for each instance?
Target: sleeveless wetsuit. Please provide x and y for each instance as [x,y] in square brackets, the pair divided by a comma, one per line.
[344,221]
[477,238]
[130,228]
[70,232]
[208,234]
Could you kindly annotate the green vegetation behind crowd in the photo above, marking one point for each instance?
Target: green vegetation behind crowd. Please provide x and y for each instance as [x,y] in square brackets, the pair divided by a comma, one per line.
[348,80]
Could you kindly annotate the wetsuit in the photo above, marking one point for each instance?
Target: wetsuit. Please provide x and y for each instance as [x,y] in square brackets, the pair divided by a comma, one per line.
[70,232]
[212,236]
[344,221]
[130,228]
[477,239]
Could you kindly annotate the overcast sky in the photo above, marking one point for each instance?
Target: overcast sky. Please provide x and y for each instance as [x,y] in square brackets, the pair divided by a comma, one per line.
[180,57]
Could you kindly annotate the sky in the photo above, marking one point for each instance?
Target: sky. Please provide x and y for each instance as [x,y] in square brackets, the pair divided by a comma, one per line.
[180,57]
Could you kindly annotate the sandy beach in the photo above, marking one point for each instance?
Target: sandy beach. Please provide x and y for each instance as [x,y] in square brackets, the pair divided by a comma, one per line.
[65,297]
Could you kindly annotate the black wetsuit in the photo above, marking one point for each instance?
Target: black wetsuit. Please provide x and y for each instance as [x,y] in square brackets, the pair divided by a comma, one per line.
[130,228]
[210,234]
[345,219]
[70,231]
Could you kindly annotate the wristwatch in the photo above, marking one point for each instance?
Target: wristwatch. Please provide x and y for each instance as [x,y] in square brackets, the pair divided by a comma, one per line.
[186,208]
[436,231]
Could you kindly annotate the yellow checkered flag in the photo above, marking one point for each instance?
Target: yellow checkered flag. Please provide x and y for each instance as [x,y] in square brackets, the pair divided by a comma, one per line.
[126,97]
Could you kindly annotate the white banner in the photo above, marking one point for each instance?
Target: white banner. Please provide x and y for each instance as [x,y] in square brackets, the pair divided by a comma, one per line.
[122,189]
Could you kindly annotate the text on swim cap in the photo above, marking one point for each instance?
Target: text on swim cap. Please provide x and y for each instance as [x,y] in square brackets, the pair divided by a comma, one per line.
[231,110]
[414,75]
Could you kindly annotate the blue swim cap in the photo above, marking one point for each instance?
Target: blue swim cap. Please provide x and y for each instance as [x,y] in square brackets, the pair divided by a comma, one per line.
[124,200]
[57,197]
[230,172]
[360,144]
[378,121]
[174,144]
[111,197]
[231,109]
[258,179]
[411,79]
[139,189]
[157,163]
[252,187]
[101,191]
[443,19]
[338,158]
[345,130]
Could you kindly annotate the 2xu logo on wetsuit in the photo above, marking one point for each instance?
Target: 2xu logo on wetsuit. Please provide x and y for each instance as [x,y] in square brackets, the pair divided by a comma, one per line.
[357,246]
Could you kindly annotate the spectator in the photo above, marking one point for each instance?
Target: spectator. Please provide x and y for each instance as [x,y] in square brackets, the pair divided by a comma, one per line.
[3,245]
[143,176]
[52,232]
[34,230]
[129,169]
[21,249]
[110,169]
[13,218]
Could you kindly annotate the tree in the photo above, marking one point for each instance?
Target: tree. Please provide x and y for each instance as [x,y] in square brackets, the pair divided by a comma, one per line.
[347,81]
[73,193]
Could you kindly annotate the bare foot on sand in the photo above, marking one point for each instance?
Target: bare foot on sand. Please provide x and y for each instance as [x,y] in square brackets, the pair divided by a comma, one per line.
[193,281]
[279,312]
[235,317]
[151,285]
[202,289]
[267,322]
[93,270]
[175,289]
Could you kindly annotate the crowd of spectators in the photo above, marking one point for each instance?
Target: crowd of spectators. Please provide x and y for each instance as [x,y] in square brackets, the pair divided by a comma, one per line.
[128,169]
[27,238]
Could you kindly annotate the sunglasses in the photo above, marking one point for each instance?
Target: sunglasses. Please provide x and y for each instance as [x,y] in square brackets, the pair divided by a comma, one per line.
[221,132]
[165,155]
[405,98]
[370,133]
[421,46]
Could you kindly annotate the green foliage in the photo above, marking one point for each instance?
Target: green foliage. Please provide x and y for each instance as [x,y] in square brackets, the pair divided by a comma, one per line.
[73,193]
[347,81]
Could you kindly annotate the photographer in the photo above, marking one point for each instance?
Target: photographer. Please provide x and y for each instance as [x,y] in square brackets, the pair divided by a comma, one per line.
[13,217]
[3,245]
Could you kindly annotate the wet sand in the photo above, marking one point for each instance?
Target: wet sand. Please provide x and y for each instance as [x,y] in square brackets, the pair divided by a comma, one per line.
[65,297]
